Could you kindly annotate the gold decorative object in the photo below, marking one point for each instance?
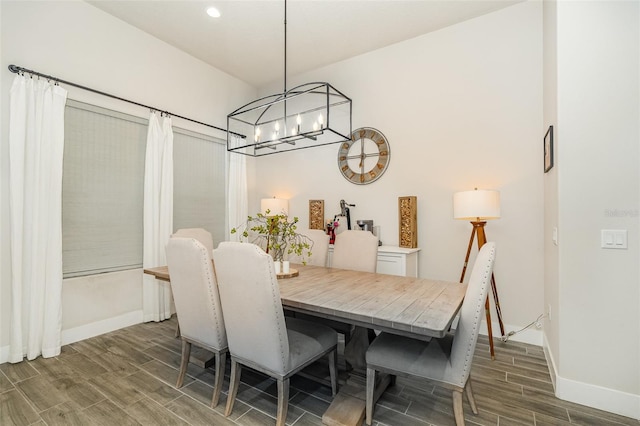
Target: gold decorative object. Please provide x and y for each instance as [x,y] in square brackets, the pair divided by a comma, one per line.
[408,216]
[316,214]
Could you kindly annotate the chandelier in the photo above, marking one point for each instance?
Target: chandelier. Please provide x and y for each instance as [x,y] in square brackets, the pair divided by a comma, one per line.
[306,116]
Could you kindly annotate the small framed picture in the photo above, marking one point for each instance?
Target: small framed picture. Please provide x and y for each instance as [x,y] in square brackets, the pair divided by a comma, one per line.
[548,150]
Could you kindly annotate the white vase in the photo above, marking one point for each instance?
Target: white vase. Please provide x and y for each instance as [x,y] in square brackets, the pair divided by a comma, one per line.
[285,267]
[276,265]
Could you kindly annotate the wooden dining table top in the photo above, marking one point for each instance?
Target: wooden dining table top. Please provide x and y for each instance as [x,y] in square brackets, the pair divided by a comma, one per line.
[416,307]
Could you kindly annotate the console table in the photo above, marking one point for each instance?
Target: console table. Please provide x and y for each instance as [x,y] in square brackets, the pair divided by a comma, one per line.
[392,260]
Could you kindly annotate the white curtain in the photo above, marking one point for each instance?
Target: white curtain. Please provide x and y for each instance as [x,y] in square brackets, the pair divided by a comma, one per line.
[36,146]
[158,216]
[237,192]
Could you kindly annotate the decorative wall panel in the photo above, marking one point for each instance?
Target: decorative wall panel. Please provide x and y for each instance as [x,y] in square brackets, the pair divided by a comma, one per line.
[408,217]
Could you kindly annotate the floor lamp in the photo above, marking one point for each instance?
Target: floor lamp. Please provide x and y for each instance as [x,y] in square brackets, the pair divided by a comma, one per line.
[478,206]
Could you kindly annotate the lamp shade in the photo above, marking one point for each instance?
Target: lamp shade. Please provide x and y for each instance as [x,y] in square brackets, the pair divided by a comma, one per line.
[479,204]
[275,206]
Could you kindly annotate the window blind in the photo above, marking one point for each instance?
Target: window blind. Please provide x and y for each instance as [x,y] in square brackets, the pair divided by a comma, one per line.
[102,190]
[199,183]
[103,181]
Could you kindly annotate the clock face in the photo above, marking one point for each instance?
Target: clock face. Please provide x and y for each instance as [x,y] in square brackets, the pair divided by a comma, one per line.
[365,157]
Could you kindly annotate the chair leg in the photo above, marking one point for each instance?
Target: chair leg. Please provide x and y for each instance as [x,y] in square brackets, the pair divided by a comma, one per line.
[371,384]
[470,397]
[221,359]
[283,401]
[236,371]
[392,379]
[333,371]
[186,353]
[457,407]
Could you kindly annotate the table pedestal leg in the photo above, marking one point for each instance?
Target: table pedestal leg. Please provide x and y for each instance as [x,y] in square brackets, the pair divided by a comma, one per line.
[348,406]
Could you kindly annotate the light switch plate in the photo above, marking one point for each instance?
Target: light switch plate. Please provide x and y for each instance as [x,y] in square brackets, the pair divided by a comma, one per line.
[614,238]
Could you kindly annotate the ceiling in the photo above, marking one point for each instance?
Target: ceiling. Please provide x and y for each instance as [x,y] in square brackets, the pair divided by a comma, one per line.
[247,41]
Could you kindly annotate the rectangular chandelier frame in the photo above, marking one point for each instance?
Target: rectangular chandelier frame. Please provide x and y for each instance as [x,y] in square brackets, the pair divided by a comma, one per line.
[306,116]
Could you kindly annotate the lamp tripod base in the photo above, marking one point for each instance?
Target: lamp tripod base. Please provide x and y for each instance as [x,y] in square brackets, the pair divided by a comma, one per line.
[478,230]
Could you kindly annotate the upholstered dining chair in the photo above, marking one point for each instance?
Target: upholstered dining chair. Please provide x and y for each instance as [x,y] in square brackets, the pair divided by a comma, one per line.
[204,237]
[260,337]
[195,293]
[200,234]
[319,250]
[356,251]
[447,360]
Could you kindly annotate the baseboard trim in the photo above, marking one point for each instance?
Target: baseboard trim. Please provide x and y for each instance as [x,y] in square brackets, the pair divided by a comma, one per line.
[97,328]
[611,400]
[4,354]
[551,362]
[601,398]
[531,336]
[87,331]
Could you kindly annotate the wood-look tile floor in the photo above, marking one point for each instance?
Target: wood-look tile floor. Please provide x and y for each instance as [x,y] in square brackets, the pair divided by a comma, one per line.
[128,377]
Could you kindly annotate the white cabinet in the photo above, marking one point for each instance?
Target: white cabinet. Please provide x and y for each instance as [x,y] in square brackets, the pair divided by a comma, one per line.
[393,260]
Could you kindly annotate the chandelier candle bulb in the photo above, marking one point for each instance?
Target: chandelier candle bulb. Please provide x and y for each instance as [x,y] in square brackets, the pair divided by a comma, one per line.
[321,121]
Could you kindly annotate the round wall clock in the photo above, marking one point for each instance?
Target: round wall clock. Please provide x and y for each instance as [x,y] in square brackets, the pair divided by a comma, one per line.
[365,157]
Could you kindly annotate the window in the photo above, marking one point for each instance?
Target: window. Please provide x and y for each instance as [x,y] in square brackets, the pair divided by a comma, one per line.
[199,183]
[103,181]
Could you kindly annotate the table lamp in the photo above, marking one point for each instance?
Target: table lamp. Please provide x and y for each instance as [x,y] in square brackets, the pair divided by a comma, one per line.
[275,206]
[478,206]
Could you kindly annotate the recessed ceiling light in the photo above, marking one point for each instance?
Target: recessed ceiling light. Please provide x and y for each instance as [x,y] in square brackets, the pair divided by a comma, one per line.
[213,12]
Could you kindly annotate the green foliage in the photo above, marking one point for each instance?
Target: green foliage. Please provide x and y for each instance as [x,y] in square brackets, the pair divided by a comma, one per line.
[277,233]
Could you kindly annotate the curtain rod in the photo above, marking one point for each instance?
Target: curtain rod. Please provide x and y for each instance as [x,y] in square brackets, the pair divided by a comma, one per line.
[16,69]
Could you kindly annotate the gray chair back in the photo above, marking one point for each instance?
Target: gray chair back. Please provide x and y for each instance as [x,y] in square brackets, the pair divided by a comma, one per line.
[200,234]
[319,250]
[251,305]
[195,292]
[356,251]
[466,335]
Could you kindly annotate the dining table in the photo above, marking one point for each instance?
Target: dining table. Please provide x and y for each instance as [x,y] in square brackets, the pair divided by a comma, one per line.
[420,308]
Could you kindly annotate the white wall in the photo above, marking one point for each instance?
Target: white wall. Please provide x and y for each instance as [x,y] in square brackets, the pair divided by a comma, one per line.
[461,108]
[598,106]
[79,43]
[551,258]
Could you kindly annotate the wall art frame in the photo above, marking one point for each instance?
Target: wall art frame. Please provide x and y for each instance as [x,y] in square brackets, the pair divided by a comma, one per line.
[316,214]
[408,221]
[548,150]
